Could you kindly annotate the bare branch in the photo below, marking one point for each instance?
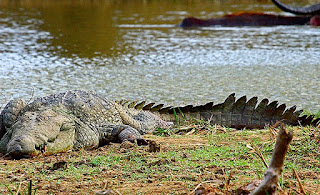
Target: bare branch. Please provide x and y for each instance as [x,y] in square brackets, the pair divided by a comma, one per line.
[270,181]
[258,152]
[300,184]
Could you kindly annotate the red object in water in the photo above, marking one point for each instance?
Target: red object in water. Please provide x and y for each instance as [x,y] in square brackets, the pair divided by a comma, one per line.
[311,15]
[315,20]
[247,19]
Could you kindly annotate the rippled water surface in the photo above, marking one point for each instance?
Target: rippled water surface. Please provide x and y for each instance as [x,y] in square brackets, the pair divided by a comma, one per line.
[134,50]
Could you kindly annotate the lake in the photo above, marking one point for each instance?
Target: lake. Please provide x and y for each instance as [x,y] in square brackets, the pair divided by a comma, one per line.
[135,50]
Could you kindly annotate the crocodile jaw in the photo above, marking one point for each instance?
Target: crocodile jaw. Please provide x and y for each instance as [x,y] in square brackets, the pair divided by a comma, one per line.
[22,146]
[36,132]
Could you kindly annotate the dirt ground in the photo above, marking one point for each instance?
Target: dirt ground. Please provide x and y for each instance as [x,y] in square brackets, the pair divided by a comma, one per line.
[201,161]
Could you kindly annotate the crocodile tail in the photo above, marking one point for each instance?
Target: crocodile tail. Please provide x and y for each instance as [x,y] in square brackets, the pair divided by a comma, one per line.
[239,114]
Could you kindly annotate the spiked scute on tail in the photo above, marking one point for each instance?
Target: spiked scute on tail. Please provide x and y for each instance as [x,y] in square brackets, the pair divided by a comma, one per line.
[233,113]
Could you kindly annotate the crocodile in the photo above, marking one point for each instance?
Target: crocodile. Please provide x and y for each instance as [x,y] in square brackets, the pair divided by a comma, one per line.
[304,15]
[82,119]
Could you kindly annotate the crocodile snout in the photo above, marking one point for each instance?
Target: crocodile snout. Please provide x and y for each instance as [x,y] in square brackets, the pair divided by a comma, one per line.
[21,146]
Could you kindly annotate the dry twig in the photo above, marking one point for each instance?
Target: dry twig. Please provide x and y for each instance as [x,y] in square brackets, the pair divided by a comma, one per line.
[269,183]
[19,188]
[32,96]
[299,181]
[258,152]
[191,132]
[195,189]
[228,181]
[107,190]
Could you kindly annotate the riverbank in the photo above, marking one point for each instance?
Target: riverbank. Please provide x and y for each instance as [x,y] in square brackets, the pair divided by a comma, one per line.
[219,159]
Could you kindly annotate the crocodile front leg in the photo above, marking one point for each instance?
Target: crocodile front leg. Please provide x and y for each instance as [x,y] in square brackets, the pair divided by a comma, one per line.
[120,133]
[132,135]
[144,122]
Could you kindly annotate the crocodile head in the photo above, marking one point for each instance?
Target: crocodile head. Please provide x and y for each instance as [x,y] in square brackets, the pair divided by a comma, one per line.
[40,132]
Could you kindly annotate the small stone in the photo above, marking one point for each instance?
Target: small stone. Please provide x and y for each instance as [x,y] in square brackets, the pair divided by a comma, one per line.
[59,165]
[127,145]
[154,146]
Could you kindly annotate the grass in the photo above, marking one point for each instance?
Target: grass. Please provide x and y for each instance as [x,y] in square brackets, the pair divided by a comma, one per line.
[308,113]
[210,153]
[27,191]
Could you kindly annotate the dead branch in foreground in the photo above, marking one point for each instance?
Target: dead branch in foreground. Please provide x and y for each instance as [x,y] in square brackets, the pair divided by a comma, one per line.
[258,152]
[299,182]
[270,181]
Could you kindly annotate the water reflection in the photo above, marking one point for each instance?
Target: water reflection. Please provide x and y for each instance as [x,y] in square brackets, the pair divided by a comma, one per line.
[132,49]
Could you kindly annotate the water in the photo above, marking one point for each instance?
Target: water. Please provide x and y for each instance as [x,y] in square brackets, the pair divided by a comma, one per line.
[133,50]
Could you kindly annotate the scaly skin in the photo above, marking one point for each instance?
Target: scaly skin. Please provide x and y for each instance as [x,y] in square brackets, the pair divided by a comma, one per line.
[80,119]
[71,120]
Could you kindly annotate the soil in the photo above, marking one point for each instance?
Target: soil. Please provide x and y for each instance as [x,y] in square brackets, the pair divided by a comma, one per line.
[146,170]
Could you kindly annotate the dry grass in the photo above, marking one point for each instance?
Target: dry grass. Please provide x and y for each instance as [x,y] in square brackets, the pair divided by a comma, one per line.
[205,159]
